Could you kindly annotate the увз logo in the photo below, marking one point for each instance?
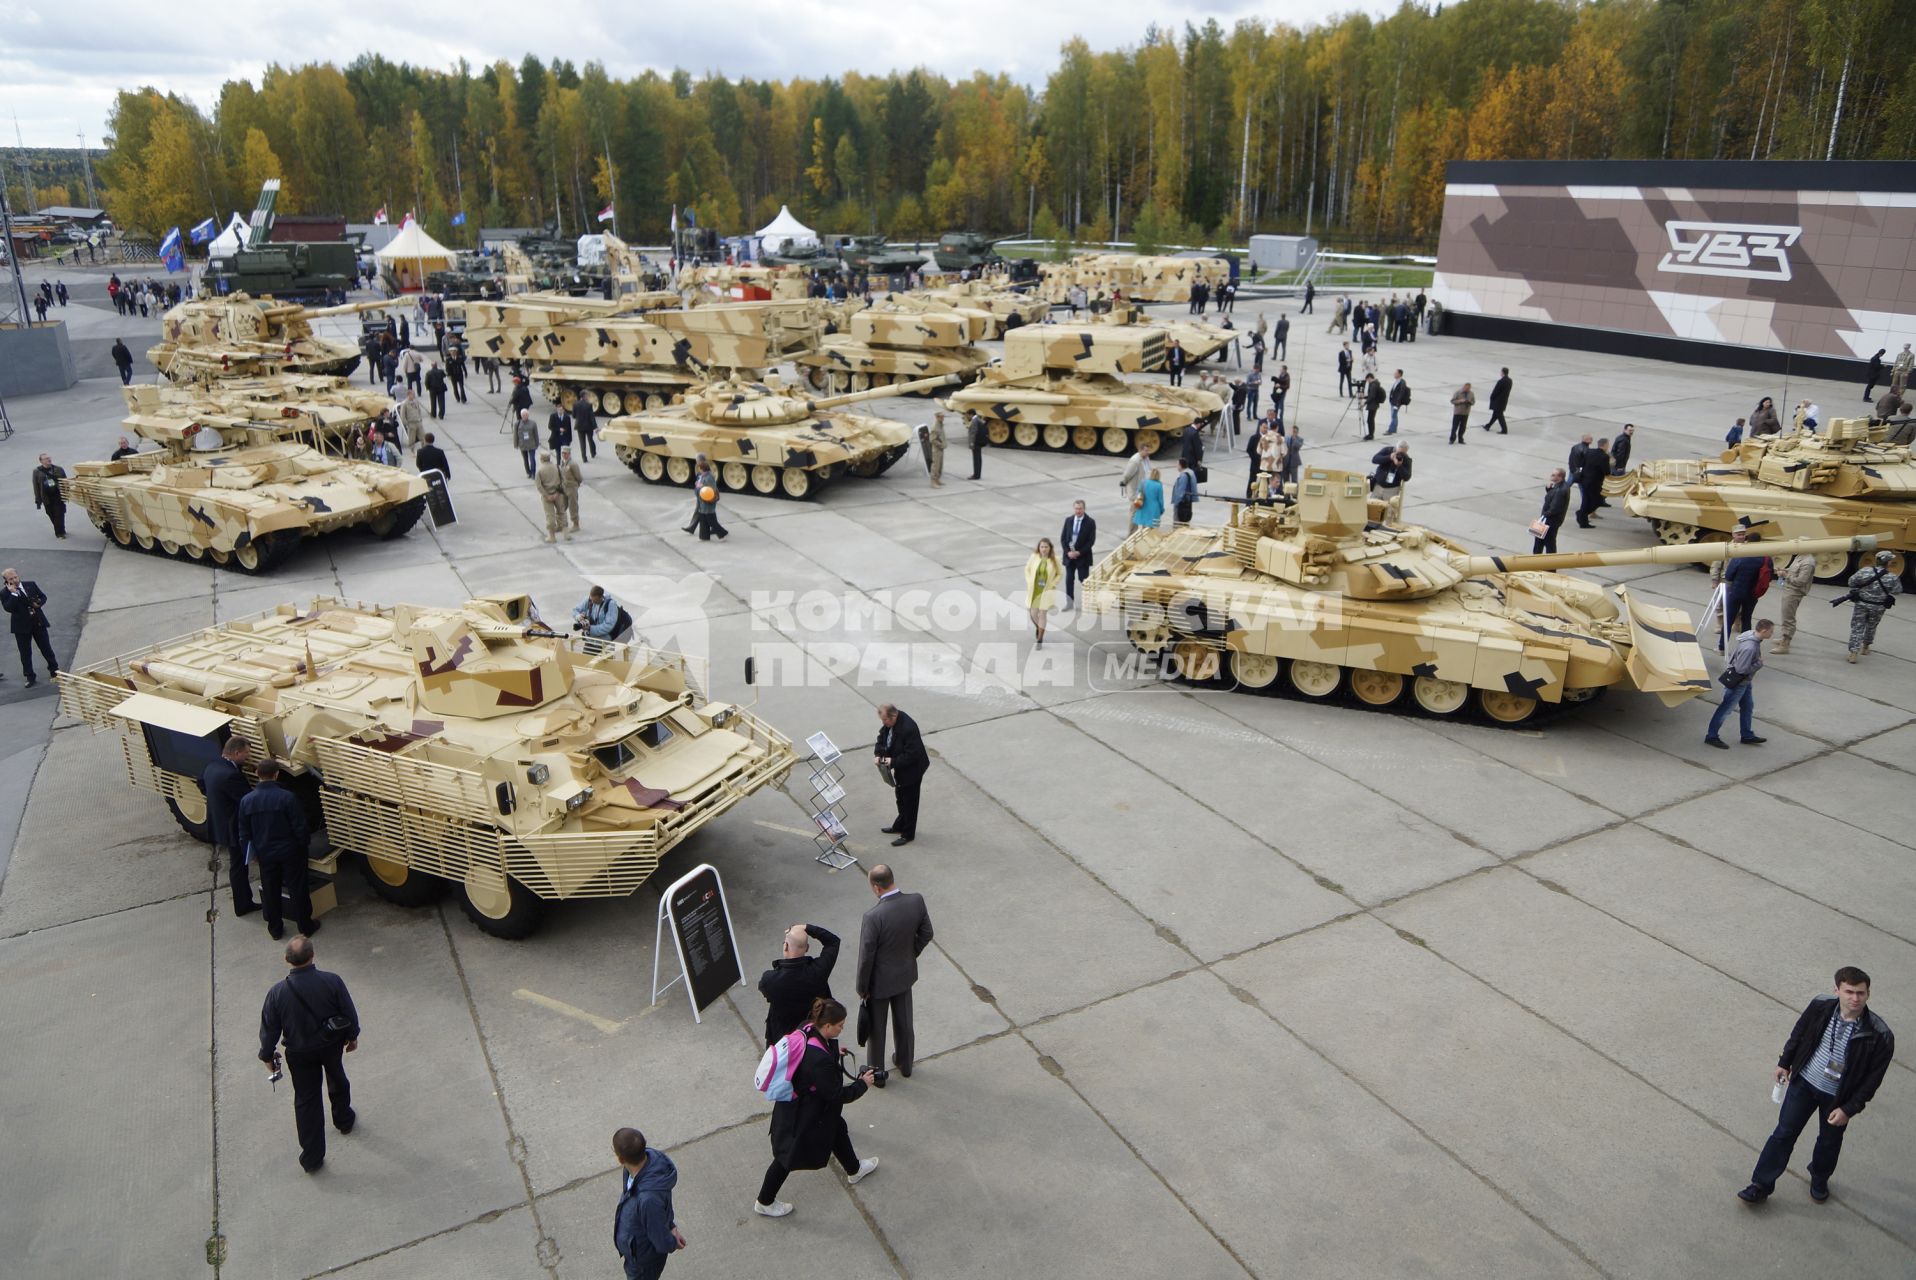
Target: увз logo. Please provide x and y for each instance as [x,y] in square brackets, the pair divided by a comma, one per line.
[1742,250]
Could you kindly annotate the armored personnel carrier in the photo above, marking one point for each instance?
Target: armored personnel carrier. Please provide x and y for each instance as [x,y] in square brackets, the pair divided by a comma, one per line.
[238,336]
[1008,308]
[1320,598]
[900,340]
[623,358]
[244,473]
[1140,277]
[1058,386]
[764,437]
[471,276]
[469,747]
[1844,481]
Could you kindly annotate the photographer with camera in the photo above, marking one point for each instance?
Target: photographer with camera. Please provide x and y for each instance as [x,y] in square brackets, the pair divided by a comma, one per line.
[1873,591]
[26,606]
[809,1130]
[600,617]
[313,1012]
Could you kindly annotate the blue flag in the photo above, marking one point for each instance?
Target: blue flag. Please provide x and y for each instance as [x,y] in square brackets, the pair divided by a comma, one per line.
[691,219]
[170,251]
[458,219]
[204,232]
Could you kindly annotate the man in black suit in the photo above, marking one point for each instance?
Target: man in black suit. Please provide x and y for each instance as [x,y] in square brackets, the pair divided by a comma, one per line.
[1592,468]
[901,750]
[559,429]
[1556,506]
[1499,401]
[895,932]
[26,606]
[796,979]
[1076,541]
[585,424]
[272,820]
[980,436]
[432,458]
[1620,452]
[47,496]
[224,786]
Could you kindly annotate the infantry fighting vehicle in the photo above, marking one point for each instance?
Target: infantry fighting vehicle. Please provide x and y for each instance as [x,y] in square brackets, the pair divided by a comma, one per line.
[238,336]
[469,746]
[764,437]
[472,275]
[1058,386]
[966,250]
[245,471]
[1320,598]
[1840,482]
[900,340]
[624,359]
[1007,308]
[1140,277]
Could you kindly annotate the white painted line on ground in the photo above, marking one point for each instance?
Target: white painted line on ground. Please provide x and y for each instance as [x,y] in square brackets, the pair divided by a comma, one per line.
[605,1025]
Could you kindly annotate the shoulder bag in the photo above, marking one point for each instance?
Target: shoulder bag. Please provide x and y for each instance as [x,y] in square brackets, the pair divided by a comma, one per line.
[333,1030]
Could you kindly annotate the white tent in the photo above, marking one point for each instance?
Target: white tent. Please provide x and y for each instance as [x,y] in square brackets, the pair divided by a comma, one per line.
[410,255]
[229,241]
[783,231]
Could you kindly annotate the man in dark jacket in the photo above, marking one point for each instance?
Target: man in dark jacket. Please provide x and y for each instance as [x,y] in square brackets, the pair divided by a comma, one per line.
[1077,542]
[297,1009]
[1174,359]
[1310,297]
[436,391]
[585,424]
[1743,585]
[432,458]
[225,786]
[273,823]
[1834,1060]
[894,933]
[26,610]
[1592,467]
[1499,401]
[796,979]
[1392,473]
[644,1229]
[980,437]
[1190,446]
[558,429]
[1399,400]
[123,361]
[901,750]
[1373,401]
[1346,385]
[1620,450]
[1556,506]
[47,495]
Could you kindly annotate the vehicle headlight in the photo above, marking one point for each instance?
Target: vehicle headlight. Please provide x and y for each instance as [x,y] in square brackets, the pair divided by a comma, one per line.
[537,774]
[578,798]
[720,717]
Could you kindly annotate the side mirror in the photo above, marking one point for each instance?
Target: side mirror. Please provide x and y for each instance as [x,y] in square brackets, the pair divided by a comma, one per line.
[751,671]
[504,798]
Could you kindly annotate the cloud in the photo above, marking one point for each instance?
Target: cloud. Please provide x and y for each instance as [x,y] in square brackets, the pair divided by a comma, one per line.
[64,62]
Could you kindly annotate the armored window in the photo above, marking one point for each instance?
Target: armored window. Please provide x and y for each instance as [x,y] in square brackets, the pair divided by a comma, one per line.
[655,735]
[614,757]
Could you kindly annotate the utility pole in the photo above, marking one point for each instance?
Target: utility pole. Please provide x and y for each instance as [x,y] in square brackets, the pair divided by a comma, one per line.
[26,170]
[458,182]
[13,256]
[86,162]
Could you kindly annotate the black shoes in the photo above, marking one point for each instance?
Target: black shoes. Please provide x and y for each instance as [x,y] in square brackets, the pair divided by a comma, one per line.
[1752,1194]
[312,927]
[351,1120]
[1716,742]
[1754,741]
[276,935]
[903,1070]
[1819,1191]
[890,831]
[901,840]
[246,910]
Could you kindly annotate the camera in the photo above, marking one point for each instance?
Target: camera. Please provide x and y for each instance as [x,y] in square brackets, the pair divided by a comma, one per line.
[279,1071]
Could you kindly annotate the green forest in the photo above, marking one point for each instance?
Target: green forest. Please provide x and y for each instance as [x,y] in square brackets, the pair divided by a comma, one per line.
[1194,135]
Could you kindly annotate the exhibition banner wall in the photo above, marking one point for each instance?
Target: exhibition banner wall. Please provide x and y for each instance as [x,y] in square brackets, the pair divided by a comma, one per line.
[1811,257]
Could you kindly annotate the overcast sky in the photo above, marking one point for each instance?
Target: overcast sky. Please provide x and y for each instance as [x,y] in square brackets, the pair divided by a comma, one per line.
[61,61]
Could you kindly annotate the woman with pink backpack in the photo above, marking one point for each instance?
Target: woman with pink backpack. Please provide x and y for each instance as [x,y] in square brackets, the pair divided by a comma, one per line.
[803,1074]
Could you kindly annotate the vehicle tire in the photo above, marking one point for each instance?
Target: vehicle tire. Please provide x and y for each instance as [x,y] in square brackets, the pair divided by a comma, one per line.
[1314,681]
[401,885]
[508,911]
[190,812]
[400,520]
[144,541]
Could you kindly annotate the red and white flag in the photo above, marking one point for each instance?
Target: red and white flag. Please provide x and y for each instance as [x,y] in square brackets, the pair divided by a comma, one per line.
[379,219]
[409,220]
[605,214]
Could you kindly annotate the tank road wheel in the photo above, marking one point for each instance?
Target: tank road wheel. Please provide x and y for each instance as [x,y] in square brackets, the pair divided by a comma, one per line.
[1439,697]
[816,377]
[1152,639]
[1115,442]
[652,400]
[584,396]
[395,523]
[119,534]
[1084,439]
[678,470]
[1257,672]
[1197,662]
[499,905]
[1376,688]
[1056,436]
[260,554]
[1835,566]
[997,432]
[652,468]
[1506,708]
[861,382]
[1671,533]
[841,383]
[795,482]
[219,558]
[1026,434]
[735,476]
[1315,681]
[170,547]
[194,552]
[1150,441]
[144,541]
[189,810]
[401,885]
[765,479]
[612,404]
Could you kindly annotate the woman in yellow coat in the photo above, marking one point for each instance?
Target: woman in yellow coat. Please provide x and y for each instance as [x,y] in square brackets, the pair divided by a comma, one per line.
[1043,573]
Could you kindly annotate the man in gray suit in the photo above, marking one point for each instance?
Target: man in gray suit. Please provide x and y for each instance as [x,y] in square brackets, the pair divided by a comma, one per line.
[895,932]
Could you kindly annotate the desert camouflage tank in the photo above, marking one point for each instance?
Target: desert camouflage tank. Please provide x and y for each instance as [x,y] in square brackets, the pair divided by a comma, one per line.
[1200,340]
[1841,482]
[902,339]
[787,283]
[1320,598]
[1058,386]
[625,356]
[1140,277]
[469,746]
[241,337]
[764,437]
[1008,308]
[245,471]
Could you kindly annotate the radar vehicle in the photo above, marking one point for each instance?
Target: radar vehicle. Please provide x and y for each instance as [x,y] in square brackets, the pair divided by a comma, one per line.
[469,748]
[1057,386]
[1844,481]
[1319,598]
[239,336]
[763,437]
[903,339]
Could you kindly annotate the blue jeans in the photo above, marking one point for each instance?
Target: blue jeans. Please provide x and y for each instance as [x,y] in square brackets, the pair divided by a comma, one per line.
[1799,1104]
[1744,699]
[1393,421]
[650,1266]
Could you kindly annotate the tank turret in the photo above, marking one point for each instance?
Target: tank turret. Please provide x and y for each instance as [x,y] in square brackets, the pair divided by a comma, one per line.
[902,339]
[966,250]
[238,336]
[1139,277]
[1320,598]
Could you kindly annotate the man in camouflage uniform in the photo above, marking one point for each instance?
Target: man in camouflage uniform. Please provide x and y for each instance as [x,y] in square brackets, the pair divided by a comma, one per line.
[1795,577]
[931,440]
[569,481]
[551,496]
[1874,591]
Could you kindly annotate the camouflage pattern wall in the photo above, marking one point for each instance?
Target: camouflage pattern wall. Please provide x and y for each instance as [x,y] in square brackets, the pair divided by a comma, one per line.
[1809,257]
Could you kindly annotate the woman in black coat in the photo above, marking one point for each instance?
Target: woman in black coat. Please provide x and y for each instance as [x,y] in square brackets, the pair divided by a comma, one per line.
[810,1129]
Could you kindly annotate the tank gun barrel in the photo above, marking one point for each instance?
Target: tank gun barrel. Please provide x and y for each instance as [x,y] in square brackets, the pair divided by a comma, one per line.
[353,308]
[1705,553]
[886,392]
